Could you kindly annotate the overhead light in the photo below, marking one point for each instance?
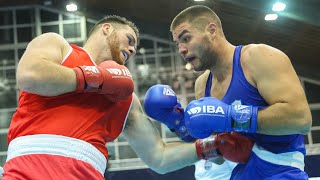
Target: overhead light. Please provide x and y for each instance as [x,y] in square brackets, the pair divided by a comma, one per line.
[144,70]
[271,17]
[278,6]
[198,0]
[142,50]
[71,7]
[188,66]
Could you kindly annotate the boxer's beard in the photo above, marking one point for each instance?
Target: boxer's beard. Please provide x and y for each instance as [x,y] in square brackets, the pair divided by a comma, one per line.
[206,55]
[114,45]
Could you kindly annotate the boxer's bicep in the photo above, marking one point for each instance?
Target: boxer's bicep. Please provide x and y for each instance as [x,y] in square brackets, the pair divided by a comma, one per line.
[275,77]
[48,46]
[39,70]
[142,135]
[277,82]
[41,52]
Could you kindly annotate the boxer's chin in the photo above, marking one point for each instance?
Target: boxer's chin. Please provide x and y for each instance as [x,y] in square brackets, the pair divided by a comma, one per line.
[116,56]
[119,61]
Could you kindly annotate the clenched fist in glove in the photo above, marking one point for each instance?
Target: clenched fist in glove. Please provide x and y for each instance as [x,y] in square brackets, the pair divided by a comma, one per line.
[161,104]
[108,78]
[208,115]
[231,146]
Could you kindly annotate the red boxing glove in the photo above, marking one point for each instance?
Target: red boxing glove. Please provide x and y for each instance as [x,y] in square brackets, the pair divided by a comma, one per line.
[208,148]
[237,149]
[109,78]
[232,146]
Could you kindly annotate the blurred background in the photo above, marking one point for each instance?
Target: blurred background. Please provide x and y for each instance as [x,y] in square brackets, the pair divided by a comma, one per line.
[294,29]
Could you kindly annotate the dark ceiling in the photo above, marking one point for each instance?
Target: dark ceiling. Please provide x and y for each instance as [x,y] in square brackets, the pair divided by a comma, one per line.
[296,31]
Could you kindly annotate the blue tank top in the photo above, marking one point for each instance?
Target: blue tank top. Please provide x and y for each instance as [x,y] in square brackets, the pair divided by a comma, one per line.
[240,91]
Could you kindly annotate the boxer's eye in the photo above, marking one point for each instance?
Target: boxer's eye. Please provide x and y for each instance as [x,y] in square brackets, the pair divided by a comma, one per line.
[131,40]
[185,39]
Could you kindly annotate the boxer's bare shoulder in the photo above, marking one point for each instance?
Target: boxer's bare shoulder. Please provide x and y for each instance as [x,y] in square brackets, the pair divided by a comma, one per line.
[51,45]
[200,84]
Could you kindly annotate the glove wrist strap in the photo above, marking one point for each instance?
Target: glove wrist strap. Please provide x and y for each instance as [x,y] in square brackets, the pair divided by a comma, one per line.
[206,149]
[244,118]
[80,79]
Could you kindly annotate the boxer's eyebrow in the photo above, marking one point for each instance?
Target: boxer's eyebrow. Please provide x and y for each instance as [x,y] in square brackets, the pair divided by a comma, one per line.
[180,35]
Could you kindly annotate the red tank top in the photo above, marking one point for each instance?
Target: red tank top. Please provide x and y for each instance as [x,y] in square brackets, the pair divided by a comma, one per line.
[87,116]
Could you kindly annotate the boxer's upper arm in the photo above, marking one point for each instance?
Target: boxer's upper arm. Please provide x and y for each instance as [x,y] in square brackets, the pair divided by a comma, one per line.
[39,70]
[142,135]
[48,46]
[274,75]
[278,83]
[42,49]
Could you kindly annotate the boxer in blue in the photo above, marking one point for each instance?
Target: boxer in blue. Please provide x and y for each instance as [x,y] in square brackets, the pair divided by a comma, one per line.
[251,89]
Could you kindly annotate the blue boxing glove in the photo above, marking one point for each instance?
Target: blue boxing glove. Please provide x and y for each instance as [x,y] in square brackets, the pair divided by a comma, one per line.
[161,104]
[208,115]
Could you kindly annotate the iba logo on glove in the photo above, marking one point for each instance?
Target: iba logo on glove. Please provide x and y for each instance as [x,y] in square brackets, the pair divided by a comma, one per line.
[168,92]
[206,109]
[119,72]
[91,69]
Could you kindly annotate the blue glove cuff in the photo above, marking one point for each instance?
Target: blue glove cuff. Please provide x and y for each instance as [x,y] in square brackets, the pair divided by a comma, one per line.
[183,134]
[244,118]
[179,128]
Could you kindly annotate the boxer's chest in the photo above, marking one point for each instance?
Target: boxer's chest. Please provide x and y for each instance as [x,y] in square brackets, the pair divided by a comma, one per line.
[219,89]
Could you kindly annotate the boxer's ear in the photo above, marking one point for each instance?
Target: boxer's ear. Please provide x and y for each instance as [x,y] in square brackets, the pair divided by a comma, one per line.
[107,28]
[212,28]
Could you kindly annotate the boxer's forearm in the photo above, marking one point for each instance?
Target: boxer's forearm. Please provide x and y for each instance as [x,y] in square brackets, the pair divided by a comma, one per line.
[145,140]
[159,156]
[284,119]
[175,156]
